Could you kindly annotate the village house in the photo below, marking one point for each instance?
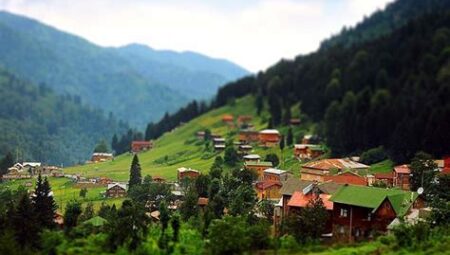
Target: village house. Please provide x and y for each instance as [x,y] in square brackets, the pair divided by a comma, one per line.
[258,167]
[252,157]
[202,202]
[269,137]
[248,136]
[291,185]
[200,135]
[386,178]
[269,190]
[244,119]
[244,149]
[139,146]
[104,180]
[228,119]
[347,177]
[184,172]
[360,211]
[446,169]
[308,151]
[276,175]
[400,176]
[219,147]
[158,179]
[218,140]
[306,139]
[116,190]
[316,170]
[101,157]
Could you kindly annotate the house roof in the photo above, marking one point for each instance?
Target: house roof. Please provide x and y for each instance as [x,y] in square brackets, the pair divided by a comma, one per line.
[252,157]
[270,131]
[260,163]
[274,171]
[102,154]
[267,184]
[32,164]
[371,197]
[299,199]
[329,187]
[184,169]
[347,177]
[293,184]
[123,186]
[402,169]
[245,146]
[328,164]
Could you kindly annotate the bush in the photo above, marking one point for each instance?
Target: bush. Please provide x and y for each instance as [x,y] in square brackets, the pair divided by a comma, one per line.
[373,155]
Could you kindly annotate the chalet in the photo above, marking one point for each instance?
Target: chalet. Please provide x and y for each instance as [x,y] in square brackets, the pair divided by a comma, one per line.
[116,190]
[245,148]
[202,202]
[227,119]
[275,175]
[258,167]
[248,136]
[294,121]
[158,179]
[359,211]
[252,158]
[316,170]
[101,157]
[184,172]
[307,139]
[218,140]
[347,177]
[386,178]
[400,176]
[200,135]
[139,146]
[308,151]
[219,147]
[244,119]
[269,137]
[269,190]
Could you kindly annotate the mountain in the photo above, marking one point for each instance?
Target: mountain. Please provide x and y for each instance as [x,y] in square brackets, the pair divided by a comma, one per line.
[38,124]
[193,75]
[137,85]
[388,91]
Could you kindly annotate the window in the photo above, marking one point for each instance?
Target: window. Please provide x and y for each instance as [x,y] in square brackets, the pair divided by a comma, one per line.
[344,212]
[369,216]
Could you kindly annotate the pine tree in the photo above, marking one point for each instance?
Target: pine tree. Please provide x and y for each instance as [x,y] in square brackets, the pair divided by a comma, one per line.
[290,137]
[25,223]
[6,162]
[135,172]
[44,204]
[115,143]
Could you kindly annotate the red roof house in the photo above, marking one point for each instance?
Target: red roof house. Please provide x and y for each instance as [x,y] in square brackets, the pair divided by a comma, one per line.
[347,177]
[138,146]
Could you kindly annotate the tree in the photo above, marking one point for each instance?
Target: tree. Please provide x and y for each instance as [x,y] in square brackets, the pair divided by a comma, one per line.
[115,143]
[6,162]
[88,212]
[423,172]
[164,215]
[71,215]
[265,207]
[101,147]
[175,227]
[83,192]
[289,137]
[202,184]
[25,223]
[228,236]
[135,172]
[231,157]
[272,157]
[44,204]
[259,102]
[189,207]
[242,200]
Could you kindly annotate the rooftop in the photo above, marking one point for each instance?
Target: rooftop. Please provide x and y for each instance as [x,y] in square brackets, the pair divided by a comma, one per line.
[371,197]
[184,169]
[274,171]
[123,186]
[252,157]
[293,184]
[270,131]
[260,163]
[402,169]
[328,164]
[299,199]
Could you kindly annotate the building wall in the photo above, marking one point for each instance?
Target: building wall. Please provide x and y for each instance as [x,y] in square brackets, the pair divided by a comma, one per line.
[311,177]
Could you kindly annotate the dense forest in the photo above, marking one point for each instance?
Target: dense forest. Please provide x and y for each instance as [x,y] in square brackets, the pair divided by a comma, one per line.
[390,91]
[39,125]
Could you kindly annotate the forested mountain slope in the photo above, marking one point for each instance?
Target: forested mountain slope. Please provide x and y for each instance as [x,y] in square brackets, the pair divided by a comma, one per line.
[133,87]
[36,124]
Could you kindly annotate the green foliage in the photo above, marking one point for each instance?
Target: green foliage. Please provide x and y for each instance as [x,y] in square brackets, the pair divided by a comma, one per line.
[83,192]
[135,172]
[231,157]
[272,157]
[88,212]
[71,215]
[422,172]
[102,147]
[44,204]
[189,207]
[228,236]
[373,155]
[6,162]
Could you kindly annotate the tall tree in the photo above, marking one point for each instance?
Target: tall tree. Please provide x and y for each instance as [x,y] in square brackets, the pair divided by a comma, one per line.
[44,204]
[289,137]
[25,223]
[423,172]
[189,207]
[71,215]
[135,172]
[6,162]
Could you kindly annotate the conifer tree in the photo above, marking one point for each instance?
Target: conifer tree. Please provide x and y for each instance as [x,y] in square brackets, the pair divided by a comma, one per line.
[289,137]
[25,223]
[135,172]
[44,204]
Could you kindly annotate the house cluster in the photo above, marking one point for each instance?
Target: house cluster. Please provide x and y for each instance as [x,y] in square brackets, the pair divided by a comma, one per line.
[136,147]
[27,170]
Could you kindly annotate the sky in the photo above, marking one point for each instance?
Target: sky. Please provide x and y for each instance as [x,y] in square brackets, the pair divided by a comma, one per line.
[252,33]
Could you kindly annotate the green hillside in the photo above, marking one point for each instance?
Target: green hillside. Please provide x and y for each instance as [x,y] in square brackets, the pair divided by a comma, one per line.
[182,149]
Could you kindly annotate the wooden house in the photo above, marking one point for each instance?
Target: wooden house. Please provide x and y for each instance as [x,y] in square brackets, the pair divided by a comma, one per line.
[248,136]
[317,170]
[306,139]
[245,148]
[158,179]
[269,190]
[446,169]
[252,158]
[116,190]
[400,176]
[308,151]
[347,177]
[200,135]
[386,178]
[360,211]
[218,140]
[258,167]
[269,137]
[275,175]
[184,172]
[101,157]
[202,202]
[227,119]
[219,147]
[295,121]
[138,146]
[244,119]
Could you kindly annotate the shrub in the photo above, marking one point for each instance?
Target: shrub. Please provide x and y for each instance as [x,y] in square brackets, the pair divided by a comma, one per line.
[373,155]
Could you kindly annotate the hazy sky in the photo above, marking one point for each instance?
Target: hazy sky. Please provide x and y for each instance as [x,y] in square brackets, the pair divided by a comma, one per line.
[253,33]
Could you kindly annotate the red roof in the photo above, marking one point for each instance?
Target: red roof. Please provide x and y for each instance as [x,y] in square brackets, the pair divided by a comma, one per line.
[298,199]
[267,184]
[141,143]
[347,178]
[403,169]
[384,176]
[335,163]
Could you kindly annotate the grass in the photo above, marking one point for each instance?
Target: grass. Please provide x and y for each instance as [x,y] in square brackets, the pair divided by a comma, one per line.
[181,151]
[385,166]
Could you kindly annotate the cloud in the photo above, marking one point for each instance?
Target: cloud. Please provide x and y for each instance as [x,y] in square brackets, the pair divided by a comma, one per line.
[254,34]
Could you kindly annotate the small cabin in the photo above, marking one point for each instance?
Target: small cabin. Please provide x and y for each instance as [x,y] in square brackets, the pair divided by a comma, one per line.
[400,176]
[116,190]
[276,175]
[184,172]
[269,137]
[248,136]
[227,119]
[138,146]
[269,190]
[317,170]
[252,157]
[258,167]
[245,148]
[308,151]
[101,157]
